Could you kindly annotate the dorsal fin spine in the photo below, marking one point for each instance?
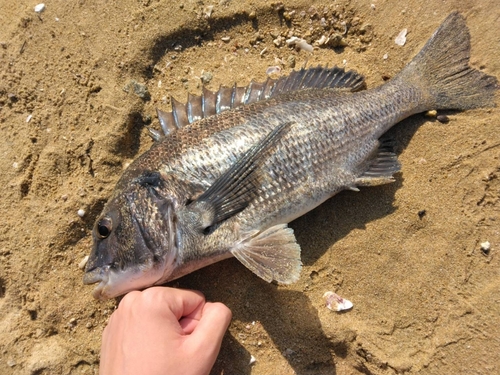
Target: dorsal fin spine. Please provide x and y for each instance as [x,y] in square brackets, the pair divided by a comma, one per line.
[211,103]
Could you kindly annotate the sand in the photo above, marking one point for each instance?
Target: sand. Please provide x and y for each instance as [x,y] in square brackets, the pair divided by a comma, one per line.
[408,255]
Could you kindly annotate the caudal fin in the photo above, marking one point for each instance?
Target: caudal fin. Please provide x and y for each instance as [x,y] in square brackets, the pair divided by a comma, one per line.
[441,69]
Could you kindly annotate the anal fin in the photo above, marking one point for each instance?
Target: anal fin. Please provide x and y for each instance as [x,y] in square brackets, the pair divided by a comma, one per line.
[381,168]
[272,255]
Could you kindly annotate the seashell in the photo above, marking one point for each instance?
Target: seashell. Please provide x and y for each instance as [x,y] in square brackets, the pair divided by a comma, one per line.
[336,303]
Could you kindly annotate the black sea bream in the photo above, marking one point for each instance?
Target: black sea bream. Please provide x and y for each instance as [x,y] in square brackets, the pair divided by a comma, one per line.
[234,167]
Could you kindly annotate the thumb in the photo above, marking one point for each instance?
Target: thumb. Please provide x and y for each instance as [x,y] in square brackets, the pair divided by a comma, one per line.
[213,324]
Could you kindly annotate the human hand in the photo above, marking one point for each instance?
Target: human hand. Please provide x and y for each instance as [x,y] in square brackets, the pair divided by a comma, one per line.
[163,331]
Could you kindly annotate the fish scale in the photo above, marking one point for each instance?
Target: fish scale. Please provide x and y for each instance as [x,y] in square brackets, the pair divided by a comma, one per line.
[233,167]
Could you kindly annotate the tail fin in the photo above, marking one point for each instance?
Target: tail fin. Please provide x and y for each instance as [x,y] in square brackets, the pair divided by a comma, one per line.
[441,69]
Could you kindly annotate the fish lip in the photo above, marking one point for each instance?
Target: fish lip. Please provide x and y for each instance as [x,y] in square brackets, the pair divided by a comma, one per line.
[97,275]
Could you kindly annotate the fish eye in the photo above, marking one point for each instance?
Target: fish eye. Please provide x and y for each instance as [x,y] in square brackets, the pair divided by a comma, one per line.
[104,227]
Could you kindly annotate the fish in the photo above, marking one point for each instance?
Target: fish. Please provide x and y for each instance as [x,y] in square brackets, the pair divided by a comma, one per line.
[230,169]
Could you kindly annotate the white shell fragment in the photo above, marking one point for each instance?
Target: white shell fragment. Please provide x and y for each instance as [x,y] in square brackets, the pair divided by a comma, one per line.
[299,43]
[39,8]
[83,262]
[401,38]
[81,212]
[273,70]
[336,303]
[302,44]
[485,246]
[208,11]
[322,40]
[252,360]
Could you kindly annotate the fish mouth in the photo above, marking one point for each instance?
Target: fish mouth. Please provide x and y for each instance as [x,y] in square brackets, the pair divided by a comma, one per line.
[97,275]
[114,283]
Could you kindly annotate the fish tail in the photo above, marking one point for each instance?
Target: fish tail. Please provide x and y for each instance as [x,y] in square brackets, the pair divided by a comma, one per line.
[441,70]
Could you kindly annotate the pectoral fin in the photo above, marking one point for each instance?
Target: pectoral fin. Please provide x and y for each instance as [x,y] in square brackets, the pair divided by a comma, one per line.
[237,187]
[272,255]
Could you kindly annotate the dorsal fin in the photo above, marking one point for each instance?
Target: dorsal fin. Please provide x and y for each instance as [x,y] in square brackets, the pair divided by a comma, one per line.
[211,103]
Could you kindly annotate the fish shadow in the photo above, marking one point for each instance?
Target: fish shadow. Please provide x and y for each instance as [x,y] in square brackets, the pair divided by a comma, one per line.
[349,210]
[286,318]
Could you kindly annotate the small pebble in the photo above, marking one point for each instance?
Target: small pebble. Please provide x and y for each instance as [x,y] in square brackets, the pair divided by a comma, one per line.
[336,41]
[485,247]
[386,56]
[39,8]
[206,77]
[225,39]
[11,363]
[28,119]
[443,119]
[81,212]
[337,303]
[138,89]
[432,113]
[274,33]
[401,38]
[83,262]
[252,360]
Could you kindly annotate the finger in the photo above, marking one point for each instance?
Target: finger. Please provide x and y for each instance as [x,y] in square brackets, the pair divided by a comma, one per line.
[213,324]
[129,300]
[188,325]
[180,302]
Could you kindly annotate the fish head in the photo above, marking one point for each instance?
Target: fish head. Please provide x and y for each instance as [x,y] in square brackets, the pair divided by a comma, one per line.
[134,242]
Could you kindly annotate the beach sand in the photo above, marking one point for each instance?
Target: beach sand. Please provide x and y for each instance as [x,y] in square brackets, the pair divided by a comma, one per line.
[408,255]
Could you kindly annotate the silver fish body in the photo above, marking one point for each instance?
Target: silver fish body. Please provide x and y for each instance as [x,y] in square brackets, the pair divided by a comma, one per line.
[227,184]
